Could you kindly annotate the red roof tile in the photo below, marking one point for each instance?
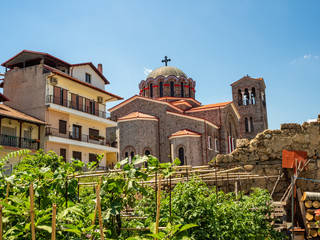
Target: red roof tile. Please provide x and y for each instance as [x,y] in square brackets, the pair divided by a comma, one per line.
[15,114]
[135,115]
[185,132]
[210,106]
[81,82]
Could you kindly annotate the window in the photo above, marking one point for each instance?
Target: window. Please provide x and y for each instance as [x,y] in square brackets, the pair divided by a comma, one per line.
[63,153]
[161,89]
[182,92]
[253,96]
[171,89]
[93,158]
[132,155]
[76,133]
[209,142]
[189,90]
[216,144]
[246,124]
[76,155]
[246,97]
[126,155]
[251,124]
[147,152]
[62,126]
[88,78]
[240,100]
[93,134]
[151,90]
[181,155]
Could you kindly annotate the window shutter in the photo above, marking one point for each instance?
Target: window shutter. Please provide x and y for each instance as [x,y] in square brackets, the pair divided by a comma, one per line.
[73,101]
[62,126]
[65,97]
[96,108]
[56,95]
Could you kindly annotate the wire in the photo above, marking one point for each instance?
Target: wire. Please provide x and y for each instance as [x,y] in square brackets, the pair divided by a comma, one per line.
[307,179]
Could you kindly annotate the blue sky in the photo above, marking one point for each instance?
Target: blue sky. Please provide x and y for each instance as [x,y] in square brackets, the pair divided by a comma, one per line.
[213,42]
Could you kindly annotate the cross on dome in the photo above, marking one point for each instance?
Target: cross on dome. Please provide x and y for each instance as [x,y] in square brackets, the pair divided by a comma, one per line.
[166,60]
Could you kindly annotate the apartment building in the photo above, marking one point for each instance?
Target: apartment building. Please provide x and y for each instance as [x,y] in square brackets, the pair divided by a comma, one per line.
[70,98]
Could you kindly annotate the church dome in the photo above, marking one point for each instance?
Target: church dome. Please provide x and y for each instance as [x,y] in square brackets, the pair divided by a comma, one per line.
[166,71]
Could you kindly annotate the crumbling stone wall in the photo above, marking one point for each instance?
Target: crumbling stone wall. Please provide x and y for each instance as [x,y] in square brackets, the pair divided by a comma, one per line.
[263,156]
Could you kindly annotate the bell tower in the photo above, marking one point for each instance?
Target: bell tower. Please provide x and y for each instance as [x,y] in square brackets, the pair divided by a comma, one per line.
[249,97]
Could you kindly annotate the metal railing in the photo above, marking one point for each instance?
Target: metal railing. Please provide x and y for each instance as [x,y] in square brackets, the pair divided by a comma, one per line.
[14,141]
[77,106]
[80,137]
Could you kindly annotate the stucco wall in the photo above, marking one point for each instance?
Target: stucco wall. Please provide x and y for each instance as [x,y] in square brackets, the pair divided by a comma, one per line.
[26,89]
[79,72]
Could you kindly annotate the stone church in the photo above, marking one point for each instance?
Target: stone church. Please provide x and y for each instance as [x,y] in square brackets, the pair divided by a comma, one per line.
[166,121]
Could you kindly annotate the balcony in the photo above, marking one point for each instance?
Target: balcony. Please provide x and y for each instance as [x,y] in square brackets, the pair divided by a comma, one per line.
[19,142]
[92,109]
[80,137]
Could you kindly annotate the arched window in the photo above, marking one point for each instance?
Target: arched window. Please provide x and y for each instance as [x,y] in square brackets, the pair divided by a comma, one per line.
[246,124]
[181,155]
[209,142]
[253,96]
[147,152]
[240,100]
[144,91]
[126,155]
[132,155]
[161,89]
[182,92]
[246,97]
[171,89]
[251,125]
[151,90]
[189,89]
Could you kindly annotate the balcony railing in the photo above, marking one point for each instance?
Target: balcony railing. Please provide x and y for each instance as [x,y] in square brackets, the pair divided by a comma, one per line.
[80,137]
[78,106]
[14,141]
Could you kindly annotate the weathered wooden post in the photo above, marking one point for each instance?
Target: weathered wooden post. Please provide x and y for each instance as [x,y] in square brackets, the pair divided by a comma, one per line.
[31,192]
[158,205]
[54,212]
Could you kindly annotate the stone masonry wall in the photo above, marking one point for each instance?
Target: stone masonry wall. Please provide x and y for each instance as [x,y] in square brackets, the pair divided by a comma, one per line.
[263,156]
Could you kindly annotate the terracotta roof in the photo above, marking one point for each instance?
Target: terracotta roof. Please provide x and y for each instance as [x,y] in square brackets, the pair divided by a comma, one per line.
[210,106]
[143,98]
[178,98]
[15,114]
[95,69]
[135,115]
[34,52]
[81,82]
[181,102]
[250,78]
[185,132]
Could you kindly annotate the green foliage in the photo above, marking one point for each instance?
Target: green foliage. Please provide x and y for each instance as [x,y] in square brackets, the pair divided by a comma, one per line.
[197,211]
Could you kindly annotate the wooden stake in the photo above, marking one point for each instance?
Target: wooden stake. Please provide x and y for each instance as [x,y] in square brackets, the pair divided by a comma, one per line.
[7,194]
[33,233]
[99,212]
[158,205]
[0,222]
[96,207]
[54,212]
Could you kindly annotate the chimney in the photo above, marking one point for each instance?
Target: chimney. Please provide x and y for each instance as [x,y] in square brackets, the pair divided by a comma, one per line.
[100,68]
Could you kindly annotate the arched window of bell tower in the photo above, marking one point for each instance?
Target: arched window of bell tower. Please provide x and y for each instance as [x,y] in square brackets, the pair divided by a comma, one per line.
[171,89]
[253,96]
[161,89]
[189,90]
[182,88]
[240,100]
[246,97]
